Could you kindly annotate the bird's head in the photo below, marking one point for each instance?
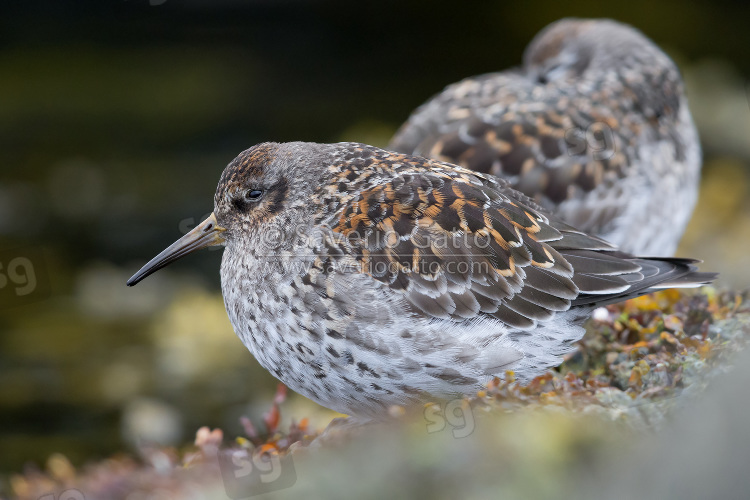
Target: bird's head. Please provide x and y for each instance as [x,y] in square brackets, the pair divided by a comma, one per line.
[604,52]
[253,203]
[569,48]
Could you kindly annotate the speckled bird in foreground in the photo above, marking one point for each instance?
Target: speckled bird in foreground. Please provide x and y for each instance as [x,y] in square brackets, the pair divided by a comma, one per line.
[363,278]
[594,126]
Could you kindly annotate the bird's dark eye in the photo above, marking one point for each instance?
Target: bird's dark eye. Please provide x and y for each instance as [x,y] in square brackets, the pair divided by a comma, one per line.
[253,194]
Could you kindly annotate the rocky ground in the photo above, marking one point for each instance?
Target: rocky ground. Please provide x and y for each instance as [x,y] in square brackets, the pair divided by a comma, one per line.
[643,369]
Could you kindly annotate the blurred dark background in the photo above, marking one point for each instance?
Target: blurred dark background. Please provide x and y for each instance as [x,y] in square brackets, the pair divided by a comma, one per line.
[117,118]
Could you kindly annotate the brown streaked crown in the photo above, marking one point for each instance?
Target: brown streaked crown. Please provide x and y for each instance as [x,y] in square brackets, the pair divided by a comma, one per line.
[251,171]
[249,164]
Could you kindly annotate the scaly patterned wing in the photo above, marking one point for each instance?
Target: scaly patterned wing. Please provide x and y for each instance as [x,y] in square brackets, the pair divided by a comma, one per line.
[459,244]
[553,144]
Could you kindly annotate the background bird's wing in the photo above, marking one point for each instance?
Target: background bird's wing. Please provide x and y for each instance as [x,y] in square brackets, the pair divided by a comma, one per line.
[458,245]
[552,144]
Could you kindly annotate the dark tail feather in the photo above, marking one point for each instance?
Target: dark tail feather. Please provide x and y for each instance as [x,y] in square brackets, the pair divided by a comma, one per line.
[655,274]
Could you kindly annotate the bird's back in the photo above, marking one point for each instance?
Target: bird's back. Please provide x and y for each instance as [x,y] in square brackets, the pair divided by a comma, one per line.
[610,148]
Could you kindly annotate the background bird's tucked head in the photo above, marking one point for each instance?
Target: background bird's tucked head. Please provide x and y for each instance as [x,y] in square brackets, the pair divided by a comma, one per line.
[253,196]
[599,50]
[556,53]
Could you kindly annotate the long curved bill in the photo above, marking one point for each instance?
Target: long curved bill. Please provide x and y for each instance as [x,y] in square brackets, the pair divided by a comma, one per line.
[206,234]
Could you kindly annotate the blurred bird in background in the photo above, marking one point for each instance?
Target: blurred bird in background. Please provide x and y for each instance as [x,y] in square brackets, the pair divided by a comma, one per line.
[594,126]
